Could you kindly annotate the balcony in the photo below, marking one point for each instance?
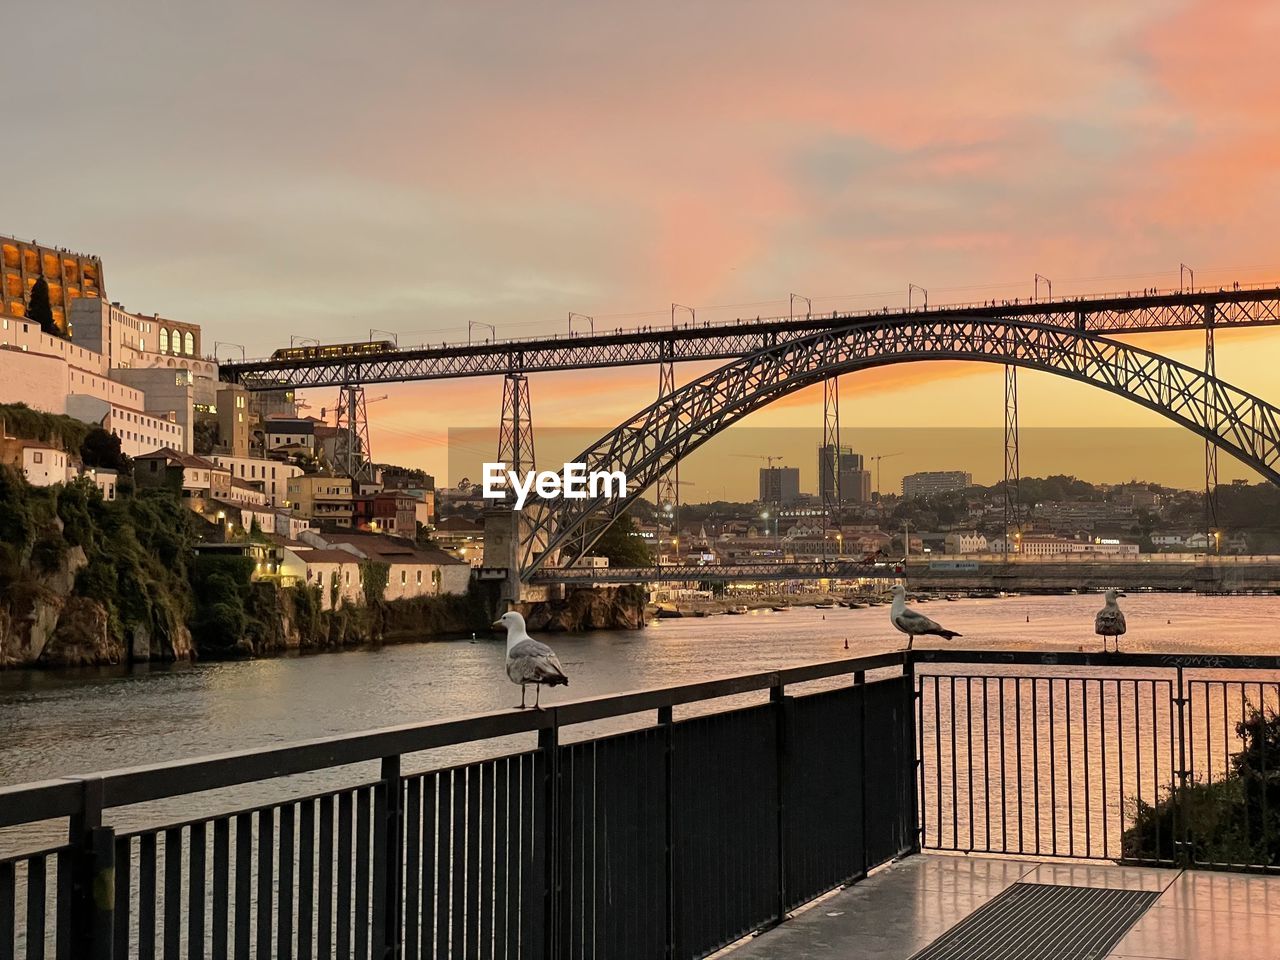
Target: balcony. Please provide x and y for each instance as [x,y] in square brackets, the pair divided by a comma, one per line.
[937,804]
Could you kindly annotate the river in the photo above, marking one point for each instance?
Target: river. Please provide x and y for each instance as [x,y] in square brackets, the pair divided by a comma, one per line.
[58,723]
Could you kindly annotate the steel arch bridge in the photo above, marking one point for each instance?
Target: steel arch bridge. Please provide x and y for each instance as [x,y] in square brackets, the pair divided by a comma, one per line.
[666,431]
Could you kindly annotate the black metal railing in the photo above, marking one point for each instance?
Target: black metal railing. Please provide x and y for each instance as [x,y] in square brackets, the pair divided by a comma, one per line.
[671,840]
[1167,760]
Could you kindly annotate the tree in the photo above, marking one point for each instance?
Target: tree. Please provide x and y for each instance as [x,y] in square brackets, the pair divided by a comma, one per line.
[622,545]
[39,310]
[102,449]
[204,437]
[374,575]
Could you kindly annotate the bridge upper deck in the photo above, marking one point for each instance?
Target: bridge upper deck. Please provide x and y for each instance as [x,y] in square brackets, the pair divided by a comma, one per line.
[697,340]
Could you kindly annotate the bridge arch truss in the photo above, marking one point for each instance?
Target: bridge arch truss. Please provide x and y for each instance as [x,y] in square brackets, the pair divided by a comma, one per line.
[648,444]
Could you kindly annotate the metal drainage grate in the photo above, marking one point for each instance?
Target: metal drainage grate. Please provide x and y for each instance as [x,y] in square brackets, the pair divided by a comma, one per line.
[1041,921]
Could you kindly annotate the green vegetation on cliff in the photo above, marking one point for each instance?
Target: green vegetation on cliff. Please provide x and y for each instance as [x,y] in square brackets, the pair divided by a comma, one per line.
[135,555]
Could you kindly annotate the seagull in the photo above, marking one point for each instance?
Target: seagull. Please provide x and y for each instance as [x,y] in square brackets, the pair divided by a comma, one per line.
[911,623]
[1110,621]
[528,660]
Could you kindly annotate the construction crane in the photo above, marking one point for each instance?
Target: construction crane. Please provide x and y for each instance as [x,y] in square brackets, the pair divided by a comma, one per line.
[756,456]
[367,401]
[877,458]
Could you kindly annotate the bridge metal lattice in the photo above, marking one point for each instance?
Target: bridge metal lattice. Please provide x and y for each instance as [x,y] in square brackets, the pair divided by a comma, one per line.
[643,447]
[1210,450]
[722,341]
[515,434]
[1012,466]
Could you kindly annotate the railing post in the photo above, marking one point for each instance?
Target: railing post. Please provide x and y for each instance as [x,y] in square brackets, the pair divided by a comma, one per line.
[911,754]
[388,830]
[549,747]
[1181,841]
[860,683]
[666,720]
[777,696]
[93,882]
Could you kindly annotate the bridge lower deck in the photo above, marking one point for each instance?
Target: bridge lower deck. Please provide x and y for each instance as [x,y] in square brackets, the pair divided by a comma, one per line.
[901,910]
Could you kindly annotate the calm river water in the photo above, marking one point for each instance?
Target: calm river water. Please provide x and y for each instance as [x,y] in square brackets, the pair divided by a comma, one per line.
[60,723]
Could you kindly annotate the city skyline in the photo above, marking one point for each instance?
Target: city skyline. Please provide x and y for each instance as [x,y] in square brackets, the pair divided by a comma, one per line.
[723,468]
[1098,148]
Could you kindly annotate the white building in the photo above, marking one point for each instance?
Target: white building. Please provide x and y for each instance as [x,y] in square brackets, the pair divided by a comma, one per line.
[44,466]
[105,480]
[1043,546]
[971,542]
[270,476]
[139,432]
[289,433]
[413,571]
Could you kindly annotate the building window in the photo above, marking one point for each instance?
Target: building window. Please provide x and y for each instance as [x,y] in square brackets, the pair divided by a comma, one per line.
[188,343]
[419,578]
[37,457]
[404,577]
[164,340]
[346,577]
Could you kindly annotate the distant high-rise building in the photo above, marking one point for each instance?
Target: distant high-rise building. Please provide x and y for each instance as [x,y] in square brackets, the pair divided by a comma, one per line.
[938,481]
[854,479]
[780,485]
[70,276]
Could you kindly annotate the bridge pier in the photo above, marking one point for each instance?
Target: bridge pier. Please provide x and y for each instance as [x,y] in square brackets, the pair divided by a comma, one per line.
[509,543]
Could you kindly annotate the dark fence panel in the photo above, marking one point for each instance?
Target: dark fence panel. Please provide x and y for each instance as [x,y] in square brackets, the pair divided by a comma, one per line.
[889,777]
[825,802]
[673,840]
[34,891]
[270,882]
[725,812]
[1230,806]
[473,880]
[1048,766]
[612,840]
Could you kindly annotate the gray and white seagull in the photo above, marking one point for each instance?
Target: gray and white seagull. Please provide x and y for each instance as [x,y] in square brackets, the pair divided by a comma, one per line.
[528,660]
[911,623]
[1110,620]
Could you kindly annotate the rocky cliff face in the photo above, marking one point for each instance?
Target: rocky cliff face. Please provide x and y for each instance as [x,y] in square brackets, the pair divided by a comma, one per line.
[50,626]
[598,608]
[33,614]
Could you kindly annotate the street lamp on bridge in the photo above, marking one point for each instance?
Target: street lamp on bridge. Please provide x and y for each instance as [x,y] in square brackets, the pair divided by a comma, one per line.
[472,324]
[807,302]
[1185,271]
[1048,283]
[693,315]
[591,321]
[912,288]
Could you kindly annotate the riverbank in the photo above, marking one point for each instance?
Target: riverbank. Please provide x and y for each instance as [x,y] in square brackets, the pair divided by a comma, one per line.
[88,582]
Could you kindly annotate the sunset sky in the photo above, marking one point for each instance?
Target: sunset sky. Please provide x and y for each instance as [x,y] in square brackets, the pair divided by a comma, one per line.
[323,168]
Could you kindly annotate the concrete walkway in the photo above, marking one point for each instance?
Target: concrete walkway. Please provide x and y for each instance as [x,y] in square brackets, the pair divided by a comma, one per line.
[899,910]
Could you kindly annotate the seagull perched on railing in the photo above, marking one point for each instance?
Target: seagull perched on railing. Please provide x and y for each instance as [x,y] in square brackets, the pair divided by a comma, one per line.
[528,660]
[911,623]
[1110,621]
